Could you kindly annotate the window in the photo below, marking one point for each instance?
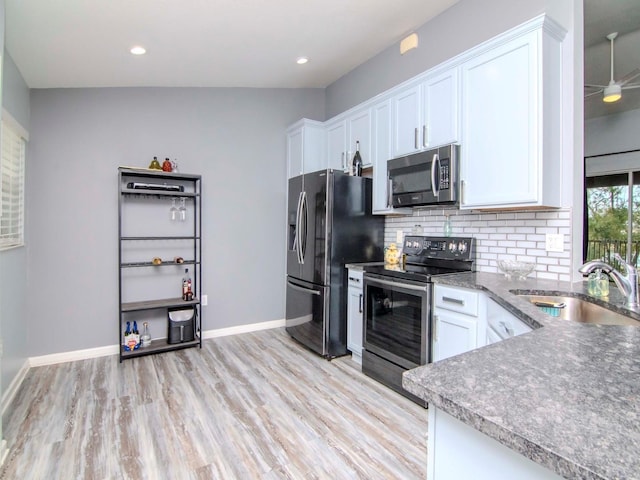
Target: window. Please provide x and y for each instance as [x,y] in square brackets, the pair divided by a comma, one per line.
[613,217]
[13,141]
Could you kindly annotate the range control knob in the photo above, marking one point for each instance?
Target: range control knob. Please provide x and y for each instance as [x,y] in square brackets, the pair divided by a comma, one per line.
[462,247]
[453,247]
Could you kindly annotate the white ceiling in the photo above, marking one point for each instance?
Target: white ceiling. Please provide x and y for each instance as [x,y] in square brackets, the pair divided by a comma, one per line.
[602,17]
[254,43]
[217,43]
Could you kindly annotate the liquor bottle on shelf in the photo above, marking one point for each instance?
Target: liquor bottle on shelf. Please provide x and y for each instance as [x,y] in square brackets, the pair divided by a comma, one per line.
[131,337]
[187,293]
[145,338]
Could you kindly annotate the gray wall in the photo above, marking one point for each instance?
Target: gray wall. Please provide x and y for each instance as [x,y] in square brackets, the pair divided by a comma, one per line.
[235,138]
[457,29]
[13,263]
[612,133]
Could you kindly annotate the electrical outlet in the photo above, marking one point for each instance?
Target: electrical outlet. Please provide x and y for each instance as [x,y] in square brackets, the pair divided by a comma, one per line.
[555,242]
[399,237]
[205,300]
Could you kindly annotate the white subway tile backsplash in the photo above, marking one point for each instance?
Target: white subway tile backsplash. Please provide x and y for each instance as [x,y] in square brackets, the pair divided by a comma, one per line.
[516,235]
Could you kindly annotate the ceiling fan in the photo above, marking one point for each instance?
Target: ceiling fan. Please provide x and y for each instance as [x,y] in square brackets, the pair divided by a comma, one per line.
[613,91]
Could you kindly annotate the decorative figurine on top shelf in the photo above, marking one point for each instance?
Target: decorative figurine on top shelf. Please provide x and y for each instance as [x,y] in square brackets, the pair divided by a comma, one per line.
[155,165]
[166,165]
[174,166]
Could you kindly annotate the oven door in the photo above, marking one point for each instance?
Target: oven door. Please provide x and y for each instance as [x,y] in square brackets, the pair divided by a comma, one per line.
[397,325]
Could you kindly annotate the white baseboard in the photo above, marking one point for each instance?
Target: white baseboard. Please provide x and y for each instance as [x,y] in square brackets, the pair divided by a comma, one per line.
[250,327]
[9,394]
[63,357]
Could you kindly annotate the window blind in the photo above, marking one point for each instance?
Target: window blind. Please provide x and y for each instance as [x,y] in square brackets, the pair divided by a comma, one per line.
[12,165]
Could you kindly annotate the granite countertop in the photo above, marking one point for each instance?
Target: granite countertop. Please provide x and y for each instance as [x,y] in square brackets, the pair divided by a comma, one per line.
[566,395]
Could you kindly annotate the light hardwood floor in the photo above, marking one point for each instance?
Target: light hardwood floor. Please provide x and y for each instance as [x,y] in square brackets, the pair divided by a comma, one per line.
[250,406]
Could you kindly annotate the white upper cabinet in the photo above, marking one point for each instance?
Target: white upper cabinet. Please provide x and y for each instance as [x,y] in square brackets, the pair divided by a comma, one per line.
[305,148]
[337,144]
[426,114]
[441,98]
[343,133]
[406,121]
[511,135]
[381,146]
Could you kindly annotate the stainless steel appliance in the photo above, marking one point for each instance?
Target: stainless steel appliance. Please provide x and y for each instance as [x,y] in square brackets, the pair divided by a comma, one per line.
[329,224]
[425,178]
[398,306]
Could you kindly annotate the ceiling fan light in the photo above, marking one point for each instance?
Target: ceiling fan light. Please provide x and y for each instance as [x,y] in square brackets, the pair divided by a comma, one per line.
[612,93]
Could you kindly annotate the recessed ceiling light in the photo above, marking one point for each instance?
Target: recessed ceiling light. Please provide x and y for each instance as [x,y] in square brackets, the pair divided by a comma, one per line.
[138,50]
[302,60]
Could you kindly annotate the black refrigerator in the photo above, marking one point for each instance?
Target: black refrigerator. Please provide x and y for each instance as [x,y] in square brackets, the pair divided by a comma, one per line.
[329,224]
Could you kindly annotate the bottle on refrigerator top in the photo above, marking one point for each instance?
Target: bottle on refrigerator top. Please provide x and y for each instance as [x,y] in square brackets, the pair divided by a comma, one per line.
[357,161]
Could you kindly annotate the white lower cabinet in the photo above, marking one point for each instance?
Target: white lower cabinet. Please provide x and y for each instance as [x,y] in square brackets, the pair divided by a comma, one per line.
[465,319]
[502,324]
[354,314]
[449,440]
[458,325]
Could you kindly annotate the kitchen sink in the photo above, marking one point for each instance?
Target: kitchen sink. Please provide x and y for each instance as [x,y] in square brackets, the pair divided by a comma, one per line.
[578,309]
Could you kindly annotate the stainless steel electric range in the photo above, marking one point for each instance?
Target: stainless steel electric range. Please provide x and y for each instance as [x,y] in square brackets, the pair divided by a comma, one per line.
[398,306]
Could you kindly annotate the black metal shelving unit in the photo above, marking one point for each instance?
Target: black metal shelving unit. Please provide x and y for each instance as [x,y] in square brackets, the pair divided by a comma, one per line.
[166,270]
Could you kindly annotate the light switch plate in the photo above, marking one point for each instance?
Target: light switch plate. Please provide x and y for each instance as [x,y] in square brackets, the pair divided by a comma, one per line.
[555,242]
[399,237]
[205,300]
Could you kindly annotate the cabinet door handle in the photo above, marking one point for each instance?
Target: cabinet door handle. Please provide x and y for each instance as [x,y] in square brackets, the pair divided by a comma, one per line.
[509,331]
[424,135]
[457,301]
[435,327]
[360,308]
[344,164]
[415,137]
[463,191]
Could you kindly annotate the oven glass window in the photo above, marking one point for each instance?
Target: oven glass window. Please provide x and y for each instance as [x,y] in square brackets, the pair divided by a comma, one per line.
[394,322]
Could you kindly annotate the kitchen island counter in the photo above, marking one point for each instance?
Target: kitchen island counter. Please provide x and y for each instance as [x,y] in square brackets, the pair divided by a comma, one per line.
[566,395]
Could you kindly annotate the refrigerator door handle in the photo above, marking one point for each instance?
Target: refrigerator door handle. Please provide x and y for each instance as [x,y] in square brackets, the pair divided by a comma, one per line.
[302,289]
[297,239]
[303,218]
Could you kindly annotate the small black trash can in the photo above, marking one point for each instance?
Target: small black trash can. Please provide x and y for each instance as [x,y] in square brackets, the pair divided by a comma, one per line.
[181,325]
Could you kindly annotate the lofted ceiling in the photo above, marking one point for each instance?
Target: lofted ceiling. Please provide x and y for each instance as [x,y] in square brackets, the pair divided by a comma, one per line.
[252,43]
[216,43]
[602,17]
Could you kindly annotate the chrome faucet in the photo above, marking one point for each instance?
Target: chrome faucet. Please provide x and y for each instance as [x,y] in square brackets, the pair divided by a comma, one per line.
[627,284]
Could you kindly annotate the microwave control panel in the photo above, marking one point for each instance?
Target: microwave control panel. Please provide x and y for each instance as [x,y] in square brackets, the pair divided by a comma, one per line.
[444,174]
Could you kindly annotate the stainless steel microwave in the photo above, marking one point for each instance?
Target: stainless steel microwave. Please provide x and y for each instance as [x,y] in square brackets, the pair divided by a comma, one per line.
[425,178]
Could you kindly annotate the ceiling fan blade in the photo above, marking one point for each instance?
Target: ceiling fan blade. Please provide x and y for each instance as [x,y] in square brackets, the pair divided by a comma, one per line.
[629,76]
[630,87]
[587,95]
[590,85]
